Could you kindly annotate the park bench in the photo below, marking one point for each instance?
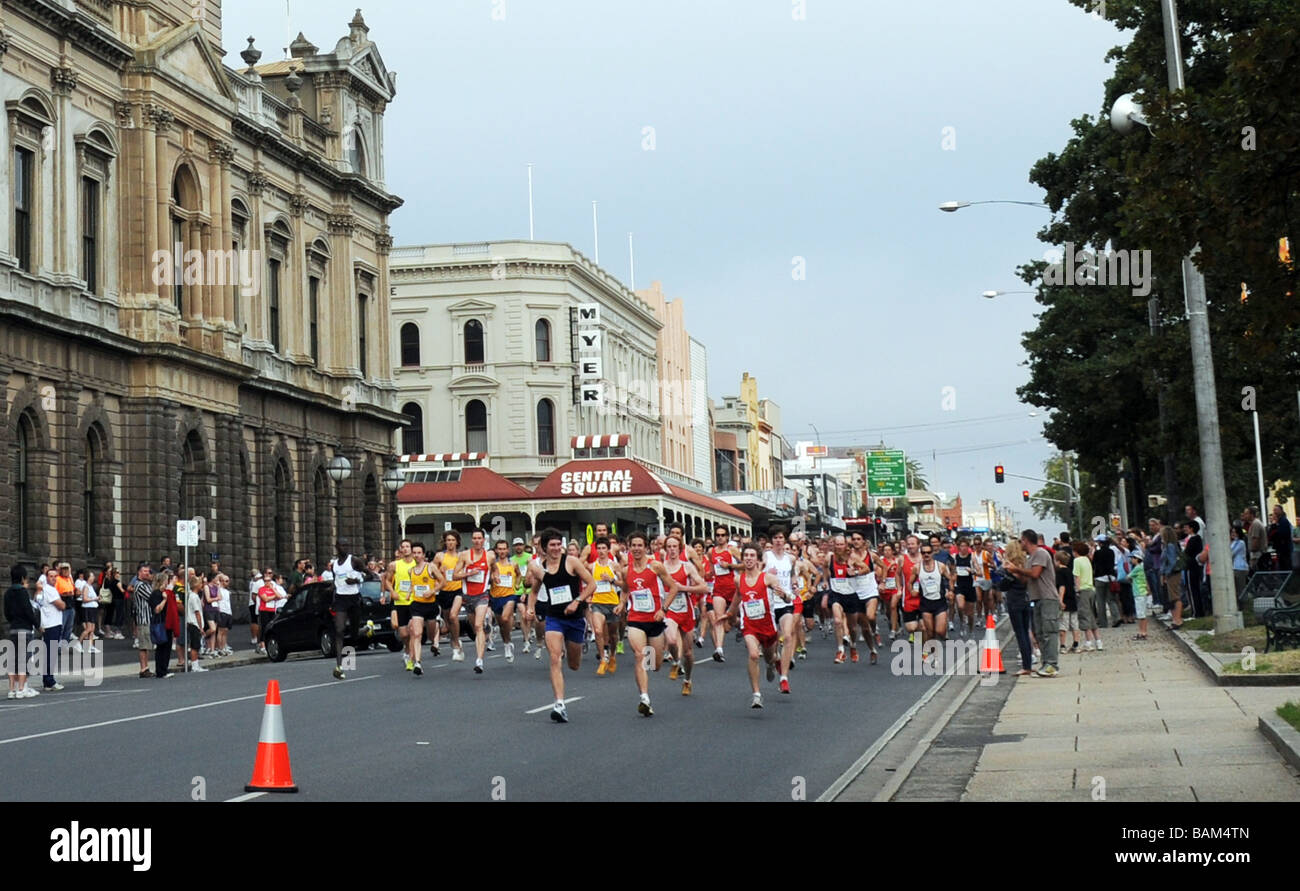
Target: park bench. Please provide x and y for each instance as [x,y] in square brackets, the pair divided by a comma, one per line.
[1281,627]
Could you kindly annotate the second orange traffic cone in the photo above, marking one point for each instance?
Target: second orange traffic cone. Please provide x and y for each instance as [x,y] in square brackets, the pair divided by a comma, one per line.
[991,650]
[271,771]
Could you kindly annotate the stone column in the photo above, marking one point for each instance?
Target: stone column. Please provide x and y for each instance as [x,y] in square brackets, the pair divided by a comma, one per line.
[64,490]
[63,80]
[6,193]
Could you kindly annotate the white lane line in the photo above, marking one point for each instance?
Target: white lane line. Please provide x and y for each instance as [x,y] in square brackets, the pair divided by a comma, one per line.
[56,698]
[249,796]
[174,711]
[551,705]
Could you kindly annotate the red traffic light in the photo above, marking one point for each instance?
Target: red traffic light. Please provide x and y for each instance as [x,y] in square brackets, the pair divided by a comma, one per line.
[1025,493]
[998,475]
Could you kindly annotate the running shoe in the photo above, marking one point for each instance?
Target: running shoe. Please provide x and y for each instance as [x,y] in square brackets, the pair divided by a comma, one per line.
[1099,646]
[801,653]
[510,652]
[76,646]
[94,649]
[416,669]
[718,657]
[526,646]
[1048,672]
[478,666]
[602,668]
[757,701]
[853,654]
[559,714]
[338,673]
[643,707]
[457,655]
[613,664]
[686,688]
[29,692]
[435,651]
[873,657]
[537,654]
[672,675]
[618,650]
[699,642]
[785,686]
[195,666]
[839,657]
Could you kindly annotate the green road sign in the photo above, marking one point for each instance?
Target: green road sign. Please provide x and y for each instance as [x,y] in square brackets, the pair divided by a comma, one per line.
[887,474]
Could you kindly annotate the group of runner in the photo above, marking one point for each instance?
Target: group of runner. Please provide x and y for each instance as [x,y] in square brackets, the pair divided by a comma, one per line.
[656,596]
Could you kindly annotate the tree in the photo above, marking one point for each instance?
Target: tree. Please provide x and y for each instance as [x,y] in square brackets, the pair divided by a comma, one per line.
[916,475]
[1095,500]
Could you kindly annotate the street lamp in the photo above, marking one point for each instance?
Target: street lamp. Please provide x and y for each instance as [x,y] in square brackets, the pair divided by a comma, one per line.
[1226,615]
[954,206]
[339,469]
[394,480]
[991,294]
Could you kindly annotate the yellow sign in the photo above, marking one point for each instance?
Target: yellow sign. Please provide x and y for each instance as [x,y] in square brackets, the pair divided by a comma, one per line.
[589,533]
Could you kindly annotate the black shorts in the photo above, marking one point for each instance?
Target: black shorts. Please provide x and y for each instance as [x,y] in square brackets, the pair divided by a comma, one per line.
[224,620]
[934,606]
[780,613]
[912,616]
[447,599]
[264,618]
[651,629]
[403,611]
[850,603]
[420,610]
[196,636]
[968,596]
[90,614]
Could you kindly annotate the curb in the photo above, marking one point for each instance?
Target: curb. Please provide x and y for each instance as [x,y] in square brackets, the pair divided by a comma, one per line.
[1284,737]
[1215,672]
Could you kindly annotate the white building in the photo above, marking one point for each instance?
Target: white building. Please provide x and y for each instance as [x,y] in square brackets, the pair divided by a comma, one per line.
[485,353]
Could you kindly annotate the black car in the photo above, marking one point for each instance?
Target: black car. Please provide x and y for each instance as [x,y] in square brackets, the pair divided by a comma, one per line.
[307,623]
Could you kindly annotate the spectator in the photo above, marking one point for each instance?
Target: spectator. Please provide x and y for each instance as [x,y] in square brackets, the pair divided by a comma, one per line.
[1151,563]
[1017,604]
[1141,595]
[1085,595]
[1103,574]
[1171,571]
[67,589]
[298,576]
[53,608]
[1070,607]
[85,594]
[224,615]
[1198,525]
[23,618]
[1240,566]
[194,623]
[112,602]
[142,616]
[1280,537]
[1040,576]
[162,606]
[254,607]
[1195,569]
[1256,538]
[266,605]
[211,610]
[1122,566]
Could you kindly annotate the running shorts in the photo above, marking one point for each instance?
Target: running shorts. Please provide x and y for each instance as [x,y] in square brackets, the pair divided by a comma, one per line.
[424,611]
[498,604]
[574,630]
[403,611]
[651,629]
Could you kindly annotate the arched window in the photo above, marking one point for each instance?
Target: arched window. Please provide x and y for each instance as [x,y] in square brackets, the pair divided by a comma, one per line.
[93,468]
[321,504]
[413,431]
[283,517]
[192,497]
[542,332]
[476,437]
[473,342]
[546,427]
[356,152]
[21,477]
[185,198]
[410,339]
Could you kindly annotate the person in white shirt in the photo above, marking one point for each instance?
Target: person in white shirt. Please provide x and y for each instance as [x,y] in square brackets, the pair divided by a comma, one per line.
[51,606]
[224,616]
[194,622]
[254,583]
[88,597]
[347,576]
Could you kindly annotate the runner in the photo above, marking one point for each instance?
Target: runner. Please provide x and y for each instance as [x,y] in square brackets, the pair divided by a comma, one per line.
[347,599]
[473,570]
[567,585]
[754,596]
[398,582]
[589,550]
[521,558]
[645,584]
[992,567]
[866,587]
[809,575]
[700,601]
[605,606]
[944,559]
[889,587]
[679,615]
[725,561]
[447,564]
[785,613]
[504,595]
[424,608]
[933,582]
[965,567]
[845,605]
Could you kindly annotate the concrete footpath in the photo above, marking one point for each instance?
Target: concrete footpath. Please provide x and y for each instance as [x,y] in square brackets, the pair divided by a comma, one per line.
[1136,722]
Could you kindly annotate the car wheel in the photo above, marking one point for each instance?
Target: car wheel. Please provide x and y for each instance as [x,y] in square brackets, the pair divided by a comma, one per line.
[327,642]
[274,651]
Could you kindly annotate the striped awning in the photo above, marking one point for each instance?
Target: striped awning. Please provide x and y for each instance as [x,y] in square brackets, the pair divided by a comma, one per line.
[609,440]
[444,456]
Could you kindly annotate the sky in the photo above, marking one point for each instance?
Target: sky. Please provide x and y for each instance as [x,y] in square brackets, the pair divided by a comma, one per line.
[780,163]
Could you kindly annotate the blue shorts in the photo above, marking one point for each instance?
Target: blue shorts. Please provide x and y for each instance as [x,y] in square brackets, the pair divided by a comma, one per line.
[499,603]
[574,630]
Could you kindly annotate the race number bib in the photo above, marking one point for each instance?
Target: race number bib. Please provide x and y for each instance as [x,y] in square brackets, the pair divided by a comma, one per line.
[604,586]
[930,585]
[449,575]
[560,595]
[404,586]
[841,586]
[679,603]
[755,609]
[963,571]
[421,590]
[643,601]
[475,577]
[719,569]
[891,584]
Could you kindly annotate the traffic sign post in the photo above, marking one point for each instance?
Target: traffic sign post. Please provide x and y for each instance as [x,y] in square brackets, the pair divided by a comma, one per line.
[887,474]
[187,536]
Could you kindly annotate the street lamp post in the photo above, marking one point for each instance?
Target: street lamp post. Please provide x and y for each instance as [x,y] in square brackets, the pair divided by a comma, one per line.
[1226,615]
[394,480]
[954,206]
[339,469]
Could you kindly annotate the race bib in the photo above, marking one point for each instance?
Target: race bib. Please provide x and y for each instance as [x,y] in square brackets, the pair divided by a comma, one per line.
[891,584]
[404,586]
[476,577]
[963,571]
[841,586]
[755,609]
[719,569]
[421,590]
[604,587]
[560,595]
[507,579]
[643,601]
[679,603]
[866,587]
[931,587]
[449,574]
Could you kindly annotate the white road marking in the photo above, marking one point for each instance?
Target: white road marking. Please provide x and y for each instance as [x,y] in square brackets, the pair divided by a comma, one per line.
[174,711]
[551,705]
[249,796]
[54,698]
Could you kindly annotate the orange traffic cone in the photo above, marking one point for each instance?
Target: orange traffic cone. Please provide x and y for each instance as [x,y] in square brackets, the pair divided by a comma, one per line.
[271,771]
[991,650]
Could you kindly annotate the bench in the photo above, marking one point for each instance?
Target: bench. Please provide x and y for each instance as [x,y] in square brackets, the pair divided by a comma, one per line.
[1281,627]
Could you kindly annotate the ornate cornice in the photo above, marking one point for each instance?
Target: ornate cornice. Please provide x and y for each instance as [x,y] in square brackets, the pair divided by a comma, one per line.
[158,118]
[4,42]
[298,202]
[221,152]
[341,223]
[258,182]
[63,80]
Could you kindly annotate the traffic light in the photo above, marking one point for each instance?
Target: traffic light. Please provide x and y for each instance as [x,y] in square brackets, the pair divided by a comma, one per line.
[998,475]
[1025,494]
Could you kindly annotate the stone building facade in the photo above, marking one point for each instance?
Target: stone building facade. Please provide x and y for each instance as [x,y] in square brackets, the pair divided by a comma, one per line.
[193,288]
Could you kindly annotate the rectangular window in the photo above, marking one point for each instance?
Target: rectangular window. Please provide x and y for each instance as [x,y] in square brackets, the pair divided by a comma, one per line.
[178,265]
[90,233]
[361,333]
[234,286]
[23,208]
[313,298]
[273,301]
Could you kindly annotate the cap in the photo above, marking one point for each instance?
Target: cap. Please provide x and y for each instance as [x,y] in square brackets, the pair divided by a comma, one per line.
[1135,555]
[1102,538]
[517,541]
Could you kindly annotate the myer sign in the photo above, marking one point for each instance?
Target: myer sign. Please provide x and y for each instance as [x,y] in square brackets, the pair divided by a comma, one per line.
[591,391]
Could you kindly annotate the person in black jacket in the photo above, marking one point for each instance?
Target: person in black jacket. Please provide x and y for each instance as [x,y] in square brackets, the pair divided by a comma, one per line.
[23,621]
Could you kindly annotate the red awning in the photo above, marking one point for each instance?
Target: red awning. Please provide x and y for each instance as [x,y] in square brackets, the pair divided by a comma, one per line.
[601,477]
[609,440]
[475,484]
[701,500]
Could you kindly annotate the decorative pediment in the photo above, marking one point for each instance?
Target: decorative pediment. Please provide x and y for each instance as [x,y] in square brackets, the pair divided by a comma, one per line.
[185,54]
[478,384]
[369,67]
[471,307]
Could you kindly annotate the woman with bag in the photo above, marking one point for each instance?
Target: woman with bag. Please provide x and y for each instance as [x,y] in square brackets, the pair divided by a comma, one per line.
[112,602]
[1018,609]
[1171,570]
[165,623]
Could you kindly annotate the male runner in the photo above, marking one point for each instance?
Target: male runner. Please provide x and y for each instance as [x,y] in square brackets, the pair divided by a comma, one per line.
[425,583]
[845,605]
[754,600]
[965,567]
[866,587]
[504,578]
[400,615]
[944,559]
[567,585]
[933,581]
[645,584]
[604,606]
[521,558]
[447,563]
[589,550]
[679,614]
[473,569]
[347,599]
[725,562]
[785,614]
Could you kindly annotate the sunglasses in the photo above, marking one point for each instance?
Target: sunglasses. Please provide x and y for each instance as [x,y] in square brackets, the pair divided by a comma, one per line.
[926,553]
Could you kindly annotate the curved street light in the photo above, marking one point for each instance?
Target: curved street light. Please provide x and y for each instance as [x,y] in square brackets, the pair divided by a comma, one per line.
[954,206]
[991,294]
[339,469]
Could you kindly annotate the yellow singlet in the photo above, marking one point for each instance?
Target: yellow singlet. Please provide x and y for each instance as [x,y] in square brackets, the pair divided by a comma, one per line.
[605,591]
[506,576]
[402,581]
[449,563]
[422,586]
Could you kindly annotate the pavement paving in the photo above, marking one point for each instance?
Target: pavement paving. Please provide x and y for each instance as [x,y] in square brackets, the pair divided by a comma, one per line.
[384,734]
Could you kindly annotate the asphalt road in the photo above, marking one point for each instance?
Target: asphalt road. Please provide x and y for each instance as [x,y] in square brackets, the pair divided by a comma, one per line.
[384,734]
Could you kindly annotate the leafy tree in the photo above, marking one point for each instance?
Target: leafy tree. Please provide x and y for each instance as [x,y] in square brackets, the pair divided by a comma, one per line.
[916,475]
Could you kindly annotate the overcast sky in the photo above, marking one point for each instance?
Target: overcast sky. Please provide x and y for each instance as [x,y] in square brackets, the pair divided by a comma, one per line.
[774,138]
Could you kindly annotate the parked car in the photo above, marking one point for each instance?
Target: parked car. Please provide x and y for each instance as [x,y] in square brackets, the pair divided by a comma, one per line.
[306,622]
